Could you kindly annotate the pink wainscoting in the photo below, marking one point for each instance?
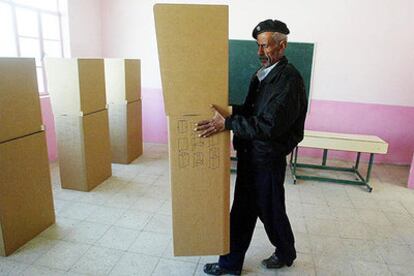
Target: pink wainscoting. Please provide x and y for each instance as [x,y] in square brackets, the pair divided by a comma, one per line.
[411,176]
[49,123]
[154,120]
[393,124]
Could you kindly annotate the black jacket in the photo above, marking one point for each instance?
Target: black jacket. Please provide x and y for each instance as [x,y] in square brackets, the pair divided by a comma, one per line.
[271,121]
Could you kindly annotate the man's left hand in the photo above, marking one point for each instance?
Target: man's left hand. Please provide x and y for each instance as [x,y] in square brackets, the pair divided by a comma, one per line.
[213,126]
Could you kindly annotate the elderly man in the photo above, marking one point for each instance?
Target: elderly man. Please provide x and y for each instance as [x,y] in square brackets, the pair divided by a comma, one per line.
[266,128]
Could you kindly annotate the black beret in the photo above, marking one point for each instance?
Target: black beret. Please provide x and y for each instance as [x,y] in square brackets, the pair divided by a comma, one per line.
[270,25]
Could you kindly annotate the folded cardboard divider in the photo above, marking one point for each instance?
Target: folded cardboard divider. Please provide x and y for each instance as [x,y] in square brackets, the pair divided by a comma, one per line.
[123,93]
[84,150]
[26,203]
[193,54]
[199,174]
[19,99]
[125,125]
[77,89]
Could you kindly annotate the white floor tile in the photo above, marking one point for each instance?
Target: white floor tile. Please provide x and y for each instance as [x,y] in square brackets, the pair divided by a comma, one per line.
[97,261]
[363,250]
[78,211]
[400,219]
[151,243]
[11,268]
[144,180]
[325,227]
[87,232]
[135,264]
[373,217]
[118,238]
[353,230]
[159,223]
[60,229]
[134,219]
[166,208]
[147,204]
[63,255]
[398,270]
[317,211]
[370,269]
[169,254]
[174,268]
[105,215]
[328,266]
[32,250]
[395,254]
[35,270]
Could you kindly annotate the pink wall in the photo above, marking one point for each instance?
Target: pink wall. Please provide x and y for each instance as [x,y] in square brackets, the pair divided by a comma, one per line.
[411,176]
[154,121]
[394,124]
[391,123]
[49,123]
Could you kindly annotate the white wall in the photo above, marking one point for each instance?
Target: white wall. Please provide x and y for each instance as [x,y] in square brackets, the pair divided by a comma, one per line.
[85,28]
[364,49]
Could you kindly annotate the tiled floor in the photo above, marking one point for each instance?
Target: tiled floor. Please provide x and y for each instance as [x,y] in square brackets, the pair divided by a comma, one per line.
[123,227]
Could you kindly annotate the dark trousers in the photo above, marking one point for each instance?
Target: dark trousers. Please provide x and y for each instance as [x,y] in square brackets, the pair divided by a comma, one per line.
[259,193]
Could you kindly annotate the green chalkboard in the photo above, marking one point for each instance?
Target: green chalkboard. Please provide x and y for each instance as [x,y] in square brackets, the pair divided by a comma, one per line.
[243,62]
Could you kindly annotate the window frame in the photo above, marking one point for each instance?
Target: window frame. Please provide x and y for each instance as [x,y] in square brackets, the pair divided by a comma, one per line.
[39,12]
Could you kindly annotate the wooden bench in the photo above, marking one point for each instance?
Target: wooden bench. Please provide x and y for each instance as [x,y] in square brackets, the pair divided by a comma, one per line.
[341,142]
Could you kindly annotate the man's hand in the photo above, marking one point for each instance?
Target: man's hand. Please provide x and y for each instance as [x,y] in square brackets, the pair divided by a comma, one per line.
[213,126]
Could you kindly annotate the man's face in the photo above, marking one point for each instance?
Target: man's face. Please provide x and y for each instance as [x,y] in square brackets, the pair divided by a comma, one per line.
[269,53]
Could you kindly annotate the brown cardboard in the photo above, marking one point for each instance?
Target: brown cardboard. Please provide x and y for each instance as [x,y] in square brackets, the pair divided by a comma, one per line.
[84,150]
[122,80]
[125,125]
[135,136]
[19,98]
[76,86]
[193,53]
[26,203]
[2,249]
[200,184]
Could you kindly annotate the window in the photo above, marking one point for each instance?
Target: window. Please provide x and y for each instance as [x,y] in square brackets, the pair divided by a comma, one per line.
[31,28]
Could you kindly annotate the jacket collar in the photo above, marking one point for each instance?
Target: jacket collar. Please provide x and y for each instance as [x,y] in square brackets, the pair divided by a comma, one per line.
[276,70]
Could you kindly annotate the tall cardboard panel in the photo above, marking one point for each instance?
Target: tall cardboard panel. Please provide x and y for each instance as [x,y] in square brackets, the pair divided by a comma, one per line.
[193,53]
[71,153]
[134,124]
[26,204]
[122,80]
[118,132]
[199,173]
[97,148]
[76,86]
[19,98]
[132,80]
[84,150]
[125,124]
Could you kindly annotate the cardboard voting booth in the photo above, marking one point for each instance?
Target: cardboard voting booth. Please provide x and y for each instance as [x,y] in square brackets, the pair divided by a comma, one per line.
[193,55]
[77,91]
[123,94]
[26,203]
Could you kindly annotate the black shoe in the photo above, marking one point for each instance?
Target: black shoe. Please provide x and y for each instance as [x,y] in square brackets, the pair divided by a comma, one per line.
[274,262]
[216,269]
